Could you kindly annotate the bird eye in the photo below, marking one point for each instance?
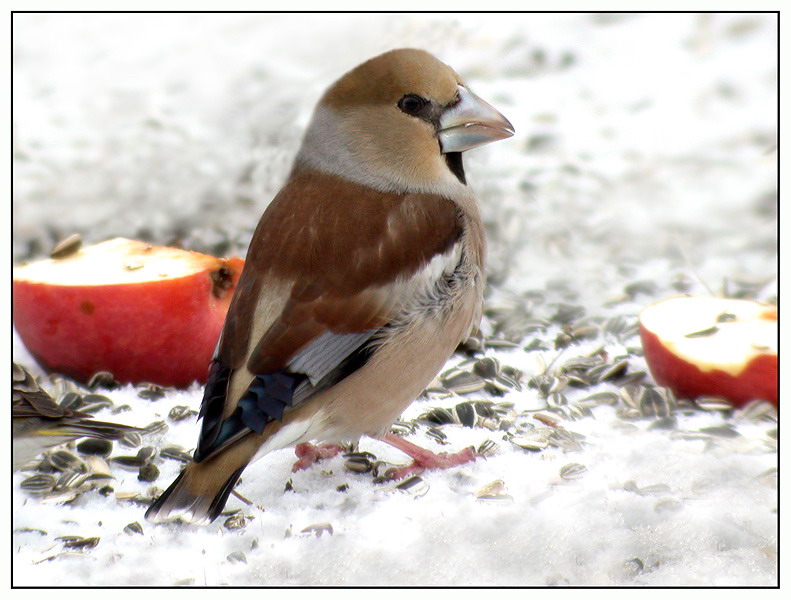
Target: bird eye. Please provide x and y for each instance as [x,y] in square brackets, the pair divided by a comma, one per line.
[412,104]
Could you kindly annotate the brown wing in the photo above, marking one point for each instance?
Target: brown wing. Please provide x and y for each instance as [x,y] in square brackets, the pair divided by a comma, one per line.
[346,256]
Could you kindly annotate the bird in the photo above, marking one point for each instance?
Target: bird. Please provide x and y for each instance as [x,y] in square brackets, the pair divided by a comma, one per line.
[363,275]
[40,423]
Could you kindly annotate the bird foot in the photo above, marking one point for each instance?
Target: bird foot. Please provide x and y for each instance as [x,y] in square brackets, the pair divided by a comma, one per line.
[423,459]
[309,454]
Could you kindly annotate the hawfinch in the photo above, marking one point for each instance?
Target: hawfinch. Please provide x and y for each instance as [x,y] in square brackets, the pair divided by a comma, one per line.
[363,276]
[39,422]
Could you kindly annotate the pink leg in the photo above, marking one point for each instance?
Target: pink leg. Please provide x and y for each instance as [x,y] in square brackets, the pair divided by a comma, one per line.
[424,459]
[309,454]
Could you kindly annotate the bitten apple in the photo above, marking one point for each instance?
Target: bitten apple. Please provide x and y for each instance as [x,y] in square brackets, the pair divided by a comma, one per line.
[712,347]
[144,313]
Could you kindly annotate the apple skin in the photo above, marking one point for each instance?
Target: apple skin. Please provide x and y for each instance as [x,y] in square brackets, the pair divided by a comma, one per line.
[162,332]
[757,380]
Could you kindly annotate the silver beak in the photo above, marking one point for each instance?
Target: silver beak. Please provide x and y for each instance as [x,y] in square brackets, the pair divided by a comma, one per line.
[471,122]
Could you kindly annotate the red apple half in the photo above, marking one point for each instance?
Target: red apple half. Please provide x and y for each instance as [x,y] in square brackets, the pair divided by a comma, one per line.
[145,313]
[712,347]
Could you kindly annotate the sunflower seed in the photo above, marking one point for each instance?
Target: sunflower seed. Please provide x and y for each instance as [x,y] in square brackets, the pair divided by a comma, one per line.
[71,401]
[40,483]
[131,439]
[501,344]
[487,448]
[359,464]
[713,403]
[155,427]
[612,370]
[438,416]
[92,403]
[63,460]
[654,403]
[465,413]
[535,344]
[756,411]
[573,471]
[27,385]
[402,428]
[67,247]
[94,446]
[415,485]
[557,399]
[464,382]
[147,453]
[609,398]
[703,332]
[175,453]
[437,435]
[487,367]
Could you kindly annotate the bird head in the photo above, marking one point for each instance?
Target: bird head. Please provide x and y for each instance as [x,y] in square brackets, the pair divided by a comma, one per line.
[399,122]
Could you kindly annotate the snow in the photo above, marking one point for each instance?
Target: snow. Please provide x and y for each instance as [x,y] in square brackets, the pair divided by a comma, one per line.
[644,152]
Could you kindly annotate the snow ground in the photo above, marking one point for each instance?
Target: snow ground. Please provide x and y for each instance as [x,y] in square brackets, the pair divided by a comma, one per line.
[644,156]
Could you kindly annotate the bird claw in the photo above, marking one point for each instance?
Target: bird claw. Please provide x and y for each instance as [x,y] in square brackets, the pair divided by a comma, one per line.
[425,459]
[309,454]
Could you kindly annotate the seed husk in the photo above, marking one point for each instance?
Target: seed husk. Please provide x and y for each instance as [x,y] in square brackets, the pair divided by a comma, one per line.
[175,453]
[78,542]
[67,246]
[318,529]
[18,373]
[181,412]
[573,471]
[237,521]
[102,379]
[236,557]
[133,528]
[495,492]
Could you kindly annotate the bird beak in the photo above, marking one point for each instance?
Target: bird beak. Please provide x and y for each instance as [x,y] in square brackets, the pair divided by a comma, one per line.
[471,122]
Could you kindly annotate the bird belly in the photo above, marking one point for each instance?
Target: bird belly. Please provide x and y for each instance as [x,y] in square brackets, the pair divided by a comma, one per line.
[370,399]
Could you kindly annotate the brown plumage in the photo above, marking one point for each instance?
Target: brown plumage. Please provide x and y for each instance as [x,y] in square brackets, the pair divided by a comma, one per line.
[363,275]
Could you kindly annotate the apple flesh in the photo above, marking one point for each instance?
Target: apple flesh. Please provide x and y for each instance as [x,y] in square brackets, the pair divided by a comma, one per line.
[713,347]
[145,313]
